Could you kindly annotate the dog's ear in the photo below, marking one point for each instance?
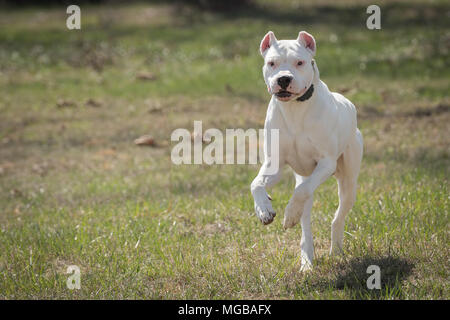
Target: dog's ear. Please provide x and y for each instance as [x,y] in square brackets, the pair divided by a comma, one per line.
[307,41]
[268,40]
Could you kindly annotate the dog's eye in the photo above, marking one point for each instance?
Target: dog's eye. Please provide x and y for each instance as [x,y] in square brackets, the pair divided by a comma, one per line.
[299,63]
[271,63]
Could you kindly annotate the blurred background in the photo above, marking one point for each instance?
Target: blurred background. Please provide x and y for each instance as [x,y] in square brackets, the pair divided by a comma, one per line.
[76,188]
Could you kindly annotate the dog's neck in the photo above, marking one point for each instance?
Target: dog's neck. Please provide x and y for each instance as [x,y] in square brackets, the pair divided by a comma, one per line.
[294,111]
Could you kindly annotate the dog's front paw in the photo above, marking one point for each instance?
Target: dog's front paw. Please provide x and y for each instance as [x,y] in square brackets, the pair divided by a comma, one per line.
[292,215]
[264,211]
[295,207]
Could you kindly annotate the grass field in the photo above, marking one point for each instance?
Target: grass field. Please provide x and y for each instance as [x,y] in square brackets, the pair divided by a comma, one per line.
[76,190]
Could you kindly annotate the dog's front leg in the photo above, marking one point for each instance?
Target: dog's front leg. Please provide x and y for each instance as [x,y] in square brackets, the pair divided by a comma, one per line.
[265,179]
[307,243]
[302,193]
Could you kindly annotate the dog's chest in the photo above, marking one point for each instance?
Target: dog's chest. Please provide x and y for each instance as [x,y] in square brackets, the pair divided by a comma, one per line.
[296,132]
[301,154]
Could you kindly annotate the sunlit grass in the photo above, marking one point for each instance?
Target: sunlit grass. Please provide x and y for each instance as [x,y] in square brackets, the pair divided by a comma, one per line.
[75,190]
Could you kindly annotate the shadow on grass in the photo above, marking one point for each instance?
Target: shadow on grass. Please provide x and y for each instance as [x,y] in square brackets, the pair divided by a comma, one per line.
[353,277]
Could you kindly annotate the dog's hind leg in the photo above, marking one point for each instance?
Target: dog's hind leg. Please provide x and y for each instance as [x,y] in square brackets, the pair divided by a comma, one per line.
[347,174]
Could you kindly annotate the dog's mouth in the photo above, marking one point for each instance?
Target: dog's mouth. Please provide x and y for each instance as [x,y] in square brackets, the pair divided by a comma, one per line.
[284,95]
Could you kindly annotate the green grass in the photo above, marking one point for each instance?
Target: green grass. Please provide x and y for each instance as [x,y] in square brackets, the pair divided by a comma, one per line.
[75,190]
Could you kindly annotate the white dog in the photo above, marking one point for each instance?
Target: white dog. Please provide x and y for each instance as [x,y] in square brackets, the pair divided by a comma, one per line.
[318,137]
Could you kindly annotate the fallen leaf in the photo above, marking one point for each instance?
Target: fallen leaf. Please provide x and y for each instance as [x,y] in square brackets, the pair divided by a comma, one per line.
[65,104]
[146,140]
[146,76]
[93,103]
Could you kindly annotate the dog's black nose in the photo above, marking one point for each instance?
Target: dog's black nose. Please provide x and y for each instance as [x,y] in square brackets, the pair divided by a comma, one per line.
[284,81]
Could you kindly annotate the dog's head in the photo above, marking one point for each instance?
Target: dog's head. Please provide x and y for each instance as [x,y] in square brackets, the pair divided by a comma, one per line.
[288,70]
